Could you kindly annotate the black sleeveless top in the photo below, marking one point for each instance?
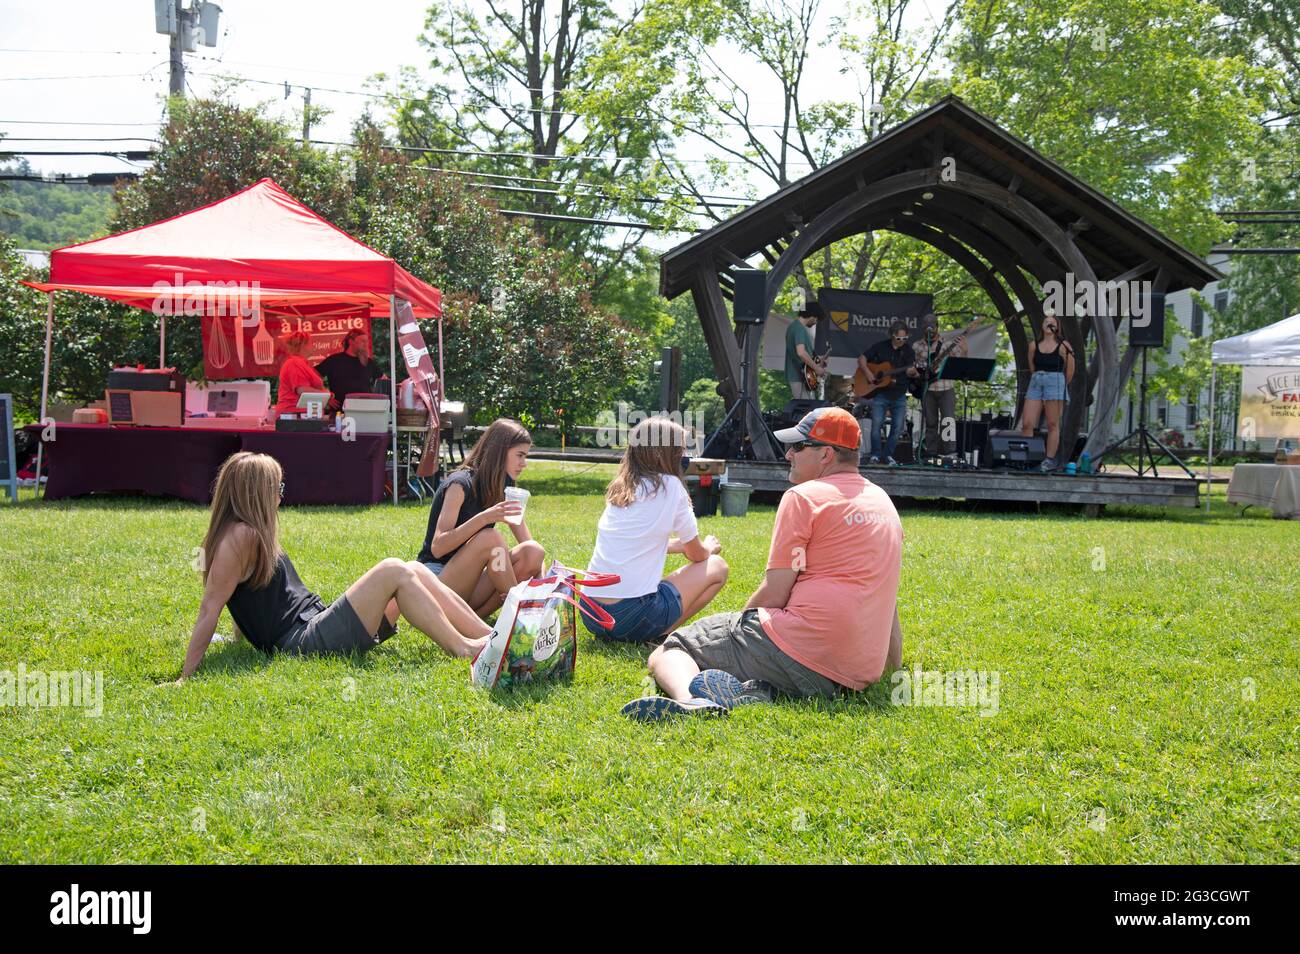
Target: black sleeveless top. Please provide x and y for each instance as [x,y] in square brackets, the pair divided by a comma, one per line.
[469,508]
[277,610]
[1049,360]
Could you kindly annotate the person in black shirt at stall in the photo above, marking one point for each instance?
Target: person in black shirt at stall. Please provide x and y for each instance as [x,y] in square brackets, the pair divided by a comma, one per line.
[350,371]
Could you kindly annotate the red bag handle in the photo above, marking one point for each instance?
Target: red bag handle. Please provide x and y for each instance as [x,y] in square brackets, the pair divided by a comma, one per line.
[595,610]
[578,578]
[584,603]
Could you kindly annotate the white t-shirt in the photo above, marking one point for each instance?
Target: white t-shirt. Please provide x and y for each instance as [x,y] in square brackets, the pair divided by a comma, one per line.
[632,541]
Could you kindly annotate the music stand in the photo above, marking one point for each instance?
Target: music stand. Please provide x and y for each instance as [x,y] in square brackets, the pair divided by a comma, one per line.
[954,368]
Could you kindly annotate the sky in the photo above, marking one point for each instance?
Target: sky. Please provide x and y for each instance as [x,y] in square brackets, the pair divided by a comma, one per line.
[97,68]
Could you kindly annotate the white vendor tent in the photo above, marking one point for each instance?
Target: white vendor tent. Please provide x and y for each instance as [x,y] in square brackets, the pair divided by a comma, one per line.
[1277,344]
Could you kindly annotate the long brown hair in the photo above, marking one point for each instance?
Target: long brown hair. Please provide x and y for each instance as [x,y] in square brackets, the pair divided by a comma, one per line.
[654,451]
[247,491]
[1062,346]
[487,459]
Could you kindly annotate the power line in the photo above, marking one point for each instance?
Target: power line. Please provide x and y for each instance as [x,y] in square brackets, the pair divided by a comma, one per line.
[408,99]
[79,139]
[66,122]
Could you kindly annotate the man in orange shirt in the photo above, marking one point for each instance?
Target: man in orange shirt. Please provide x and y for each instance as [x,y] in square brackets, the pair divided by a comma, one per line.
[825,618]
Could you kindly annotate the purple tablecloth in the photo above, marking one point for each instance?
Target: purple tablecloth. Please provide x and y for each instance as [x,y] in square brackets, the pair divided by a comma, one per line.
[183,462]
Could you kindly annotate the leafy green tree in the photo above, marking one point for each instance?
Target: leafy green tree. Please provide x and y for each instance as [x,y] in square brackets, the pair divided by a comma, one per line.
[538,98]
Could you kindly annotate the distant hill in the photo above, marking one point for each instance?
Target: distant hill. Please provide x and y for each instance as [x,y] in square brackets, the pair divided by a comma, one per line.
[40,216]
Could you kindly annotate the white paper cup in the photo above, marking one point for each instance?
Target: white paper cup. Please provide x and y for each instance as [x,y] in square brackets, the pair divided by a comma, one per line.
[520,496]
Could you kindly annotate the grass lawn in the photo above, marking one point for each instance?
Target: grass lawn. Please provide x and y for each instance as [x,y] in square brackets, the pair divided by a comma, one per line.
[1147,711]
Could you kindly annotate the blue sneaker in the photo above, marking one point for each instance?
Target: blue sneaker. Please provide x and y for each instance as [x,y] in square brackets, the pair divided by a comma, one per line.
[658,708]
[725,689]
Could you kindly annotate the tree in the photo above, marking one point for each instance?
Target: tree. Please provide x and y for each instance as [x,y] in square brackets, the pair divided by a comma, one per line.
[532,102]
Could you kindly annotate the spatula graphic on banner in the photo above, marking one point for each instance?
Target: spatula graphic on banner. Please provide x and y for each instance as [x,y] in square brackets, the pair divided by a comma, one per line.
[263,343]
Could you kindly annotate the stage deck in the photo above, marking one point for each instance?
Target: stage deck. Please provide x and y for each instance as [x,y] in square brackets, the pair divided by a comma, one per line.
[1006,485]
[1090,492]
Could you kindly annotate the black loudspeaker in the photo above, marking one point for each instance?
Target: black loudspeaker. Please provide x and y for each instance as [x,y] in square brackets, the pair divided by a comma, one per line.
[1151,334]
[1013,449]
[750,299]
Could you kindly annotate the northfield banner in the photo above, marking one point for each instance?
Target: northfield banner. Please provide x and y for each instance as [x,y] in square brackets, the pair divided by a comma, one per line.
[1270,403]
[855,321]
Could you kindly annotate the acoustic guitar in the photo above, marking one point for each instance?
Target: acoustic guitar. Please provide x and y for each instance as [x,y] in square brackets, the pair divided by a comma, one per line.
[862,389]
[884,373]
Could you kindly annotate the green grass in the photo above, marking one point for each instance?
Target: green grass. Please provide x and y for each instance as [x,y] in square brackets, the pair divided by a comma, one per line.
[1123,691]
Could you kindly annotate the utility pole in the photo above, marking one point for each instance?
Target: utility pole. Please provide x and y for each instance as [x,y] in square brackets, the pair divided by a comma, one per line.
[306,115]
[177,85]
[185,29]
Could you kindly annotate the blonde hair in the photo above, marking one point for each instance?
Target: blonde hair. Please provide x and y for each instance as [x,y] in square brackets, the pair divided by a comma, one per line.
[297,342]
[654,451]
[247,491]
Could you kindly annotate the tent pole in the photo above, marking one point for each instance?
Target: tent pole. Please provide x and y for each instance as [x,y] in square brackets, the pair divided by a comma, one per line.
[162,341]
[1209,463]
[442,387]
[392,382]
[45,390]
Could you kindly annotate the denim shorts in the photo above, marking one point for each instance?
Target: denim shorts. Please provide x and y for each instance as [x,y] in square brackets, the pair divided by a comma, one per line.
[639,619]
[435,567]
[1046,386]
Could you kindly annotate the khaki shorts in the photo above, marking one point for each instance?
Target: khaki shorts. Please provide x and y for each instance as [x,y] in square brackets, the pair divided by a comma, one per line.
[736,643]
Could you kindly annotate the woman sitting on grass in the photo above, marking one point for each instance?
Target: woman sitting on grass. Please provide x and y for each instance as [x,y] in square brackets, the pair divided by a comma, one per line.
[462,546]
[646,504]
[246,571]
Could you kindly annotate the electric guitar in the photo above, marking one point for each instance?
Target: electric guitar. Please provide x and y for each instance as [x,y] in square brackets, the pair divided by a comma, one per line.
[810,377]
[933,368]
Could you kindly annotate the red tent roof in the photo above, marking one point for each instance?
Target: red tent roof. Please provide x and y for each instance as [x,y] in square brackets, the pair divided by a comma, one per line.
[302,263]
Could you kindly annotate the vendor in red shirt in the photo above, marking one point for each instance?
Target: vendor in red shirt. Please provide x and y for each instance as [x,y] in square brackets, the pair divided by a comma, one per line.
[296,375]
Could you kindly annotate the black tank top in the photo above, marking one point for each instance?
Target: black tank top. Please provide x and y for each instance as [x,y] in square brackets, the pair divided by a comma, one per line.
[277,610]
[1049,360]
[470,507]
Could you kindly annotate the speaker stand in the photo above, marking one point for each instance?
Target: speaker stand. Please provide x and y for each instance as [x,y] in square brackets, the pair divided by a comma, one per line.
[1146,456]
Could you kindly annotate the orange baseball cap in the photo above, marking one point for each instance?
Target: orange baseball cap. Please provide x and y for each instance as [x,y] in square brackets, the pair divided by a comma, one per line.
[825,425]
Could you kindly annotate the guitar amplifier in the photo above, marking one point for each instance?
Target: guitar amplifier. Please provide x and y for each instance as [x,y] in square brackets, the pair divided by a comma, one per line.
[1013,449]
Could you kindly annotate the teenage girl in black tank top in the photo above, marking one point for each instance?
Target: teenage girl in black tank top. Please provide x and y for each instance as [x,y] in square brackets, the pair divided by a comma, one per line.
[462,545]
[1052,363]
[246,571]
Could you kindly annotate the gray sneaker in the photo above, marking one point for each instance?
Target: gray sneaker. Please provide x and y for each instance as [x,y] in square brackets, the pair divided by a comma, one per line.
[658,708]
[1047,466]
[726,690]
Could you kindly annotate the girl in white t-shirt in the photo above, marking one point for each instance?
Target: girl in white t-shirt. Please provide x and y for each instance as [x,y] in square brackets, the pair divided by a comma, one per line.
[647,504]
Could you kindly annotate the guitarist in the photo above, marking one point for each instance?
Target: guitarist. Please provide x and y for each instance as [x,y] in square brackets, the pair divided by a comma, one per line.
[939,399]
[799,352]
[890,400]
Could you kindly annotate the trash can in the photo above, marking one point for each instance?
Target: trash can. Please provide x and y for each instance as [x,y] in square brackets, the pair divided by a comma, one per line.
[735,499]
[704,494]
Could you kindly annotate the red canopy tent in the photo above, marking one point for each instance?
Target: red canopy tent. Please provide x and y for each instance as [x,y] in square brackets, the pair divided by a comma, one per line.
[261,238]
